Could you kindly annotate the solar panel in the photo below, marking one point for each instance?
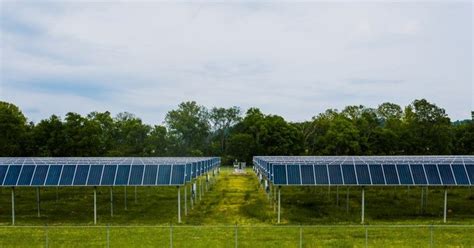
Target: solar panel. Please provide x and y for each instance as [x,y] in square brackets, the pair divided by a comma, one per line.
[102,171]
[67,175]
[307,174]
[367,170]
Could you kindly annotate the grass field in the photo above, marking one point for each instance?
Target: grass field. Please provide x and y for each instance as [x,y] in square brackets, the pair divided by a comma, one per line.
[236,208]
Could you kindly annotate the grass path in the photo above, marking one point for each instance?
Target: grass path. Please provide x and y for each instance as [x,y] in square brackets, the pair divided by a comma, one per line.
[234,198]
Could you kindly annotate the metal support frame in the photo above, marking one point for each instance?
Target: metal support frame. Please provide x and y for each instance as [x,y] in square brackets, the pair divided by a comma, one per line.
[279,203]
[363,206]
[191,196]
[445,204]
[347,200]
[201,191]
[207,182]
[274,199]
[179,204]
[185,200]
[38,206]
[95,205]
[135,195]
[125,197]
[421,201]
[13,206]
[111,202]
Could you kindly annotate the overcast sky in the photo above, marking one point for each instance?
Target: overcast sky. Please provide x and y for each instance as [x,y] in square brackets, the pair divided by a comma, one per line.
[290,59]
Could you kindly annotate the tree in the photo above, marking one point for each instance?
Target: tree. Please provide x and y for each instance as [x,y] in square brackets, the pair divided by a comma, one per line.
[241,147]
[130,136]
[190,125]
[13,128]
[49,137]
[222,120]
[157,143]
[427,128]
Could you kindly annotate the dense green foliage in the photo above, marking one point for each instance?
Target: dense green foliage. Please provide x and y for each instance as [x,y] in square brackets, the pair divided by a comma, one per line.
[194,130]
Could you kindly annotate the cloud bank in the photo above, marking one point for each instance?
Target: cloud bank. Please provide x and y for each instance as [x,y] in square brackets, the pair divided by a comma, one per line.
[291,59]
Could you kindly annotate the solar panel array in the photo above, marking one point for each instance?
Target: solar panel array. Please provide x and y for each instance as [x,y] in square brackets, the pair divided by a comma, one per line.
[367,170]
[154,171]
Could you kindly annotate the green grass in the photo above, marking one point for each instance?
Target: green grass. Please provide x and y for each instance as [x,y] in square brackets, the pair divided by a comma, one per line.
[236,204]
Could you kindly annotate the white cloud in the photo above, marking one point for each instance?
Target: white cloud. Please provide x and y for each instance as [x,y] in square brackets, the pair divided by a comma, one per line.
[292,59]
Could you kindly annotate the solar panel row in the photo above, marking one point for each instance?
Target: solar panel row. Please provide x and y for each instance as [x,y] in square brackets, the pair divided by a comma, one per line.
[364,171]
[103,174]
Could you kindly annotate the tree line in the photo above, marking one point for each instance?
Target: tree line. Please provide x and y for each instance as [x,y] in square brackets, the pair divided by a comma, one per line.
[421,128]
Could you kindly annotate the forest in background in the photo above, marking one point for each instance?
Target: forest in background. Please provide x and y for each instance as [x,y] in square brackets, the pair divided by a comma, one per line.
[421,128]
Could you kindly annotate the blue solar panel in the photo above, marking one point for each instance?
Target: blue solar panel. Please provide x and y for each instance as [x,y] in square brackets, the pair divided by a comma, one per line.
[293,174]
[95,174]
[349,174]
[149,178]
[108,176]
[307,174]
[164,174]
[280,174]
[53,175]
[26,175]
[335,176]
[363,174]
[136,175]
[3,172]
[102,172]
[460,174]
[177,176]
[188,172]
[446,174]
[367,170]
[390,173]
[12,175]
[321,174]
[123,172]
[67,175]
[418,174]
[470,172]
[377,174]
[432,174]
[40,175]
[82,172]
[404,173]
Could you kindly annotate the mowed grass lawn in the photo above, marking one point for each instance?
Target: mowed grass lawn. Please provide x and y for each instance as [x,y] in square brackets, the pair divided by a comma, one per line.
[236,208]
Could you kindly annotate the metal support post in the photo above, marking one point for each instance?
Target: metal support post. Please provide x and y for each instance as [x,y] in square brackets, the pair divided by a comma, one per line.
[125,197]
[279,203]
[274,199]
[347,200]
[179,205]
[111,202]
[201,191]
[363,206]
[135,194]
[38,206]
[185,200]
[95,205]
[191,196]
[236,236]
[13,206]
[445,204]
[422,197]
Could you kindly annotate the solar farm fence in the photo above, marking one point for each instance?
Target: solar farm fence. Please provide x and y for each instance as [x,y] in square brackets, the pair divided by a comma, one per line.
[238,236]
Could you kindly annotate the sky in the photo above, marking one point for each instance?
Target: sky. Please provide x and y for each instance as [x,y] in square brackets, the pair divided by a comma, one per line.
[294,59]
